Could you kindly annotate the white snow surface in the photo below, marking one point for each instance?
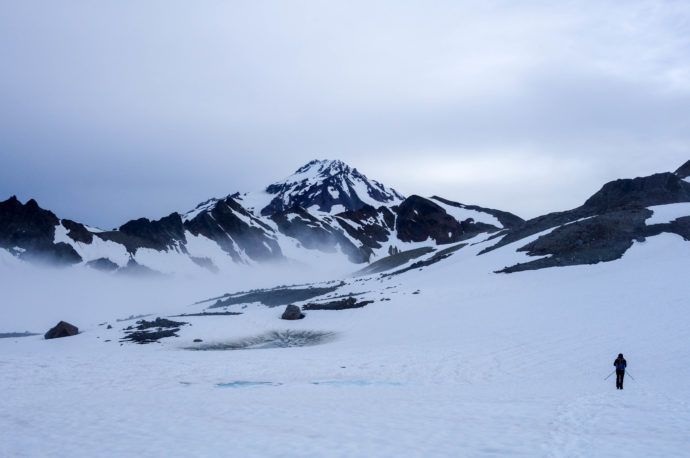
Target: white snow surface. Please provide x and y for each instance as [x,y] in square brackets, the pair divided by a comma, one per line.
[461,214]
[98,248]
[254,202]
[475,364]
[202,207]
[666,213]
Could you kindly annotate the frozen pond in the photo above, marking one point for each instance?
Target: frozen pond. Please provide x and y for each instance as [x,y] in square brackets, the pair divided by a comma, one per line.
[271,339]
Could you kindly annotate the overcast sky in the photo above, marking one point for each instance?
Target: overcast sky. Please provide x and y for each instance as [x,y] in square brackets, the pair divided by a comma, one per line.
[115,110]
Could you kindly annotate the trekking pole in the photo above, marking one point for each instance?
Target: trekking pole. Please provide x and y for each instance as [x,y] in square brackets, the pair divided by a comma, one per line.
[607,377]
[630,375]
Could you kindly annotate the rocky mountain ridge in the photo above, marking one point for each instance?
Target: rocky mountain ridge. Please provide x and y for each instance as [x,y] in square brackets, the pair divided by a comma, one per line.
[328,208]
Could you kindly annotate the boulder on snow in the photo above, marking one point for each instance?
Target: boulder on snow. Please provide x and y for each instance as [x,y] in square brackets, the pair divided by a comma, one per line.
[292,312]
[62,329]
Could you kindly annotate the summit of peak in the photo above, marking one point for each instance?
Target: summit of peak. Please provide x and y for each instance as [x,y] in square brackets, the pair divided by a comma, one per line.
[324,167]
[329,185]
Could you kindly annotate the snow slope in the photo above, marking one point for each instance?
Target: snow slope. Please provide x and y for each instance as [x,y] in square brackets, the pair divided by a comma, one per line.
[459,362]
[462,214]
[667,213]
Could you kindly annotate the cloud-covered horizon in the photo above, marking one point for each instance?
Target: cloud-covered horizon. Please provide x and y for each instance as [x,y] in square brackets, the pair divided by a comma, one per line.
[110,112]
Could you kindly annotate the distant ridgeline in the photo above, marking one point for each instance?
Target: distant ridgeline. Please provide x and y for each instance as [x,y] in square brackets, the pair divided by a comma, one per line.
[326,207]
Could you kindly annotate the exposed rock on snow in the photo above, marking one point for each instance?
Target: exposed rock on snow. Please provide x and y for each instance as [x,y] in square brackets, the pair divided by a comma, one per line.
[235,230]
[318,234]
[438,256]
[394,260]
[158,323]
[103,264]
[658,189]
[292,312]
[599,239]
[62,329]
[505,219]
[275,296]
[684,170]
[341,304]
[135,269]
[32,229]
[77,231]
[11,335]
[604,227]
[164,328]
[144,337]
[420,219]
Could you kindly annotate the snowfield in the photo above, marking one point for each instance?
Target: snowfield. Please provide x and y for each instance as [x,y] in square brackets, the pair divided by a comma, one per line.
[450,360]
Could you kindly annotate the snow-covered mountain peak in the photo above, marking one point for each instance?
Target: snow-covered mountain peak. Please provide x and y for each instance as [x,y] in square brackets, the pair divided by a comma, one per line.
[328,186]
[321,167]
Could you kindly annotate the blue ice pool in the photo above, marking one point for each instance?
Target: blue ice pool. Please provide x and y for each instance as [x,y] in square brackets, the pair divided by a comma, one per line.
[357,383]
[246,384]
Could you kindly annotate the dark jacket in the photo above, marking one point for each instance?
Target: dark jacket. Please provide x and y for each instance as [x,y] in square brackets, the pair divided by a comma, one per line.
[620,364]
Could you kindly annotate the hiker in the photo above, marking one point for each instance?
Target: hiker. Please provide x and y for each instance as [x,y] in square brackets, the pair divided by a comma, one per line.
[620,364]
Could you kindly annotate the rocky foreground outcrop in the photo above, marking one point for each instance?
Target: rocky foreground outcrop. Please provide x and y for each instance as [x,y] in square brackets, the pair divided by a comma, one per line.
[62,329]
[605,226]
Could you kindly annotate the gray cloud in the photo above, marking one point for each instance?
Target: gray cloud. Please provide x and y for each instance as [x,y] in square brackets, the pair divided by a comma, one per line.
[114,111]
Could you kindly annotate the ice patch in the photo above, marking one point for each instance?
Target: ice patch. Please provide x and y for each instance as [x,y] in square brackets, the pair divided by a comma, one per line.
[357,383]
[246,384]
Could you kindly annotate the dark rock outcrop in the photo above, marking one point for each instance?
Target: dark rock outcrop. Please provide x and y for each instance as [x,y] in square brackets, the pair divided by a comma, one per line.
[341,304]
[62,329]
[684,170]
[599,239]
[77,231]
[318,234]
[32,229]
[159,235]
[507,219]
[133,268]
[274,297]
[233,228]
[658,189]
[420,219]
[144,337]
[103,264]
[438,256]
[628,194]
[292,312]
[393,261]
[604,227]
[142,333]
[157,323]
[368,225]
